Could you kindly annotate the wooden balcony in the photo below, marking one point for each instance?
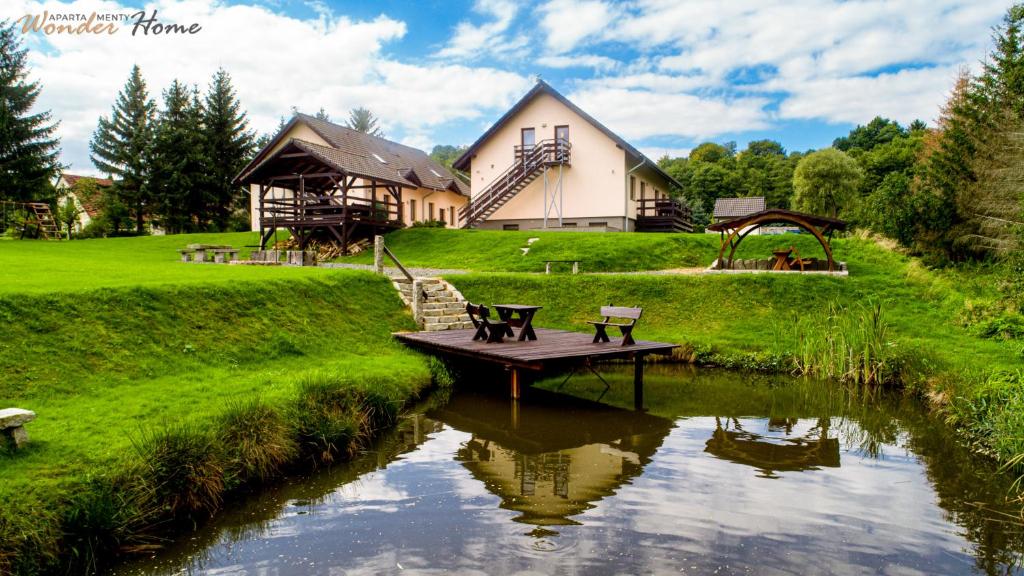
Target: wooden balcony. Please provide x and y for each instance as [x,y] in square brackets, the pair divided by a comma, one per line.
[663,215]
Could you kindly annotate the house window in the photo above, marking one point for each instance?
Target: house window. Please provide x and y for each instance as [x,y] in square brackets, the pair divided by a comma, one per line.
[412,210]
[510,226]
[568,225]
[598,224]
[643,189]
[430,210]
[632,187]
[529,138]
[442,216]
[451,215]
[562,133]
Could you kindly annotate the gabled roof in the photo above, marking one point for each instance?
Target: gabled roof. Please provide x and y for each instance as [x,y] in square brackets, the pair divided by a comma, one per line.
[736,207]
[71,179]
[542,87]
[360,154]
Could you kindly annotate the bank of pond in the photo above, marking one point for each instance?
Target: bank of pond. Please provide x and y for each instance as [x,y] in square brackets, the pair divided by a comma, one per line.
[722,472]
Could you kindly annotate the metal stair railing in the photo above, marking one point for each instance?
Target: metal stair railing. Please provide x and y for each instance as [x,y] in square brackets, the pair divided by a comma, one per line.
[530,160]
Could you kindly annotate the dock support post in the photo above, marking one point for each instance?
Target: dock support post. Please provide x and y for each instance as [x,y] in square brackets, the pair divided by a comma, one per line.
[516,385]
[378,254]
[638,382]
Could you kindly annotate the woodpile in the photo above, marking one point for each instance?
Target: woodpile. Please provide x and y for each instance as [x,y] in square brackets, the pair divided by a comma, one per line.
[325,250]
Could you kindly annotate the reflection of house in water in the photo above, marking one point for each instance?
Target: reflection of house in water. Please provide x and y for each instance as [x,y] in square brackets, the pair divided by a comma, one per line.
[554,457]
[772,453]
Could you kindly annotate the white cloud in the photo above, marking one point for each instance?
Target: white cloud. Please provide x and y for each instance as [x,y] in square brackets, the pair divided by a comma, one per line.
[472,41]
[644,114]
[569,22]
[657,152]
[594,61]
[276,62]
[832,60]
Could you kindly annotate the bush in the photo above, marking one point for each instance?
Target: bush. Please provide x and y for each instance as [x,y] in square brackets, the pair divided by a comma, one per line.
[428,224]
[182,470]
[257,441]
[328,416]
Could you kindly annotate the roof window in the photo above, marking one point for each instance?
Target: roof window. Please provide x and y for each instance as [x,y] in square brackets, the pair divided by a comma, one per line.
[379,159]
[434,172]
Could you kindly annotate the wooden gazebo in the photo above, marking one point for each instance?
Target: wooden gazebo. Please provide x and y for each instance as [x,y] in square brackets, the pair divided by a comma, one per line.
[308,188]
[735,230]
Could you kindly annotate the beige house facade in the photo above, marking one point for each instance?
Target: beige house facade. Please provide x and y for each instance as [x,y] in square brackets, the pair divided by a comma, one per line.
[434,192]
[88,206]
[584,177]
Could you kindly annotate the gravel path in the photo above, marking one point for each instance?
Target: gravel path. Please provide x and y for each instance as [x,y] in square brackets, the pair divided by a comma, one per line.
[435,272]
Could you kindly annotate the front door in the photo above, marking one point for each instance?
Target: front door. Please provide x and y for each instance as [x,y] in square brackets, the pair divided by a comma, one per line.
[561,142]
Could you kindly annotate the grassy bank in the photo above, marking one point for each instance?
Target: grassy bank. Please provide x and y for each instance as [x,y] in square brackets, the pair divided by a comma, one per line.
[156,402]
[766,322]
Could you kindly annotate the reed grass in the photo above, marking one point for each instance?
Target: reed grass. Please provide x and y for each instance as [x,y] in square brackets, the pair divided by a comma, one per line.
[258,441]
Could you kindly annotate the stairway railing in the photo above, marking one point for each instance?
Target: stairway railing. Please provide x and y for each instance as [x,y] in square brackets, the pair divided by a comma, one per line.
[528,161]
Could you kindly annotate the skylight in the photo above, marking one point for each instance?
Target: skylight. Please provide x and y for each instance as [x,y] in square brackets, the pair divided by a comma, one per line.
[434,172]
[379,159]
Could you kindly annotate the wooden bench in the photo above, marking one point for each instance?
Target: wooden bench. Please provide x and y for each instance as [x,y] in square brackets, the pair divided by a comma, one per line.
[219,255]
[485,329]
[12,425]
[616,312]
[575,265]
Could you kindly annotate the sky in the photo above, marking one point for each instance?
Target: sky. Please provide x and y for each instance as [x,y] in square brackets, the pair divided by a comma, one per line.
[664,74]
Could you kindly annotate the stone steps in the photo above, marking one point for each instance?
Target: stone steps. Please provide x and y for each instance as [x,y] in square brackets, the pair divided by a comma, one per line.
[443,307]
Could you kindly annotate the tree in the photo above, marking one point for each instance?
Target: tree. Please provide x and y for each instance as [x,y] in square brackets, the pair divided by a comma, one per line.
[28,146]
[180,171]
[120,146]
[362,120]
[229,146]
[321,114]
[445,155]
[878,131]
[890,209]
[826,182]
[67,214]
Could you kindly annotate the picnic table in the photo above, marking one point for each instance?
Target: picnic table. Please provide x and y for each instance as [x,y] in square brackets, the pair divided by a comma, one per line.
[782,259]
[575,265]
[197,253]
[519,316]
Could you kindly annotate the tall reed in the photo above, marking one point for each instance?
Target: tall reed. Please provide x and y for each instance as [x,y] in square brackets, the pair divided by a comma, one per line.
[850,344]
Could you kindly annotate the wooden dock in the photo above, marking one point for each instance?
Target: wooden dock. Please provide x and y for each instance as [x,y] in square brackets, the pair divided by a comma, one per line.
[552,350]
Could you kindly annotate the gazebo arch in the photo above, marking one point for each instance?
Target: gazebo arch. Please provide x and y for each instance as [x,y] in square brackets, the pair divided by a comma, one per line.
[735,230]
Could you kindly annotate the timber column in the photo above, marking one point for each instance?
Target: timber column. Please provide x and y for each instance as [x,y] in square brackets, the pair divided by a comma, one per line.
[638,382]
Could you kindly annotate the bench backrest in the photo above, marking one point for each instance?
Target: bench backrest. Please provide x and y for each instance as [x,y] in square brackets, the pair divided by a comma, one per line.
[621,312]
[477,313]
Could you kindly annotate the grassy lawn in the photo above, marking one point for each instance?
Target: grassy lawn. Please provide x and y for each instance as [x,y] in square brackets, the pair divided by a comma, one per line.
[117,346]
[36,266]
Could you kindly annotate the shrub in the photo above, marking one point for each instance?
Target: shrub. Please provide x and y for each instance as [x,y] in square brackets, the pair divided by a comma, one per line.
[257,441]
[182,469]
[428,224]
[327,416]
[29,536]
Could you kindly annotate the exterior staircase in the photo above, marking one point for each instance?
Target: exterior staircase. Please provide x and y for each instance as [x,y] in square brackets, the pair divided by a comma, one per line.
[442,308]
[530,163]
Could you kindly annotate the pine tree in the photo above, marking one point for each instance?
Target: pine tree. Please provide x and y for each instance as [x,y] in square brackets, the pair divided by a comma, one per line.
[229,142]
[28,146]
[362,120]
[178,176]
[120,146]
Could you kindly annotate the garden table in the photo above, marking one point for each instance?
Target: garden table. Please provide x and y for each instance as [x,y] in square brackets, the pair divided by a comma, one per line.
[519,316]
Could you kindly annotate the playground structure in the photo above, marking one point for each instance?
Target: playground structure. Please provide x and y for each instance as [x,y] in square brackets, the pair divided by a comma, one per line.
[38,221]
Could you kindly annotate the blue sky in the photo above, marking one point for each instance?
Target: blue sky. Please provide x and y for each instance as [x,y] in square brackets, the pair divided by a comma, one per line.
[665,74]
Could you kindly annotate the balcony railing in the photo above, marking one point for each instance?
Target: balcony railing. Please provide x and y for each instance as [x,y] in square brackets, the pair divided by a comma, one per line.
[311,210]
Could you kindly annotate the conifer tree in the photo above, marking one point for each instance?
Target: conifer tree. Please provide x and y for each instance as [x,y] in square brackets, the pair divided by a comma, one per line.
[362,120]
[120,146]
[28,146]
[178,175]
[229,142]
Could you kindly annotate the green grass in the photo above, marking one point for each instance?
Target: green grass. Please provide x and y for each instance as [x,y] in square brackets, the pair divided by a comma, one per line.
[38,267]
[128,376]
[131,357]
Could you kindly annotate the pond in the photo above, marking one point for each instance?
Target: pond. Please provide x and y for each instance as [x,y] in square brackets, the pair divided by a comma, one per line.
[723,473]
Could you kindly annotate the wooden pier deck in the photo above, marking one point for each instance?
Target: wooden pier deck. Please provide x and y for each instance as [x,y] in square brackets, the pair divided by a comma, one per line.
[553,349]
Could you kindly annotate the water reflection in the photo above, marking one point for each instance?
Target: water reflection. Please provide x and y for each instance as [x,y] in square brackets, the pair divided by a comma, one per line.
[779,450]
[723,474]
[557,457]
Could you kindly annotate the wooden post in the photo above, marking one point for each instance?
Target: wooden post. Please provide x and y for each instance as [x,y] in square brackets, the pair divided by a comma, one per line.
[378,254]
[516,385]
[638,382]
[515,413]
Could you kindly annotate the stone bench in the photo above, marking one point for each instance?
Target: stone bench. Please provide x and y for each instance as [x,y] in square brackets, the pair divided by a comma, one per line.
[220,254]
[12,425]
